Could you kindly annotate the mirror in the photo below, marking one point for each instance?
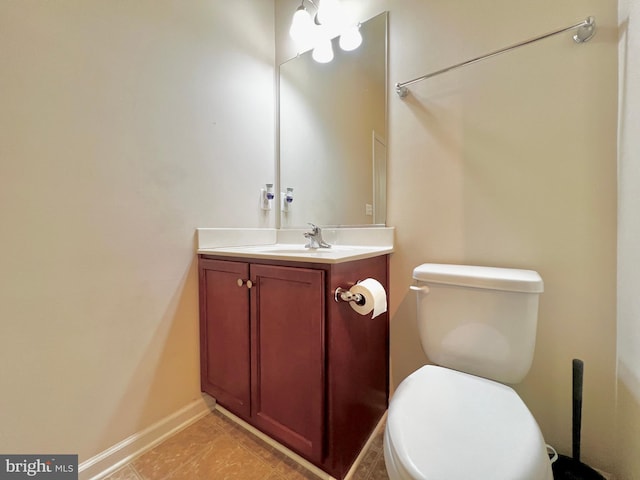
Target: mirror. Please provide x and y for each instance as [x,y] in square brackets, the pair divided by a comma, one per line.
[333,130]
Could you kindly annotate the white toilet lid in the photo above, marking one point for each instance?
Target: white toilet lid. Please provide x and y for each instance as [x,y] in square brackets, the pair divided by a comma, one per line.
[449,425]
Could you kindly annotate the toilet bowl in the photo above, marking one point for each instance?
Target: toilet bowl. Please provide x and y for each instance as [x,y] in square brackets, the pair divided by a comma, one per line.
[457,420]
[473,428]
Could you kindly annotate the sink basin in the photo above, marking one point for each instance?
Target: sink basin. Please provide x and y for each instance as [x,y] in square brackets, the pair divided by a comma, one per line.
[301,250]
[294,251]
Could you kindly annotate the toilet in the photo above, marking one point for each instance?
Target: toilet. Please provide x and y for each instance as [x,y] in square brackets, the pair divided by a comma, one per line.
[457,420]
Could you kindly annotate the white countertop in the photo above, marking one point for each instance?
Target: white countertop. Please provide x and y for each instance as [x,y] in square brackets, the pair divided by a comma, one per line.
[346,244]
[297,253]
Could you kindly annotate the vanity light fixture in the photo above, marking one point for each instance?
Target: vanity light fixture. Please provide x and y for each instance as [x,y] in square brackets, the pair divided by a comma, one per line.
[315,32]
[329,11]
[302,28]
[351,38]
[323,51]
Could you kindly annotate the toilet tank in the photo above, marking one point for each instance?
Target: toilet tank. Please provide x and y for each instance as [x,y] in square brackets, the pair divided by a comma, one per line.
[479,320]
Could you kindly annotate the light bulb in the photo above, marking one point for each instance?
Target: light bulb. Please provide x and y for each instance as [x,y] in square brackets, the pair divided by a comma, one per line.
[301,29]
[323,52]
[351,38]
[329,12]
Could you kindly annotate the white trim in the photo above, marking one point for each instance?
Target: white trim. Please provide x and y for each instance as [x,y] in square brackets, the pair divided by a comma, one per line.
[115,457]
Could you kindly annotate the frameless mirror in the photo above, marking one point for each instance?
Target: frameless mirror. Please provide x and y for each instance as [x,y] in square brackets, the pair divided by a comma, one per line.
[333,130]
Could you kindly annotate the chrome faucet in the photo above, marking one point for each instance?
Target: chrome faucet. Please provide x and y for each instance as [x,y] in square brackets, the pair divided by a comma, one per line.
[315,238]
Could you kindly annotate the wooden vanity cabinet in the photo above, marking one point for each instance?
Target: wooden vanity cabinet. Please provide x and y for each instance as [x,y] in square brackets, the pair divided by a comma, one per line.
[285,357]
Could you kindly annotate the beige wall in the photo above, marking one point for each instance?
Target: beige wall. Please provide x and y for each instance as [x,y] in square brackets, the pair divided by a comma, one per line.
[628,421]
[123,127]
[510,162]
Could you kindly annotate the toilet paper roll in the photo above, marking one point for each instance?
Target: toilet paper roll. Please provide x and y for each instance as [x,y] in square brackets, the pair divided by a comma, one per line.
[374,295]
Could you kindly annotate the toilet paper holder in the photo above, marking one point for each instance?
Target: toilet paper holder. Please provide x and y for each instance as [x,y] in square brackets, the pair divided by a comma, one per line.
[345,295]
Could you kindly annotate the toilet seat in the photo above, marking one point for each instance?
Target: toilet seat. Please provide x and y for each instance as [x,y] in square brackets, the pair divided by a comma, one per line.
[449,425]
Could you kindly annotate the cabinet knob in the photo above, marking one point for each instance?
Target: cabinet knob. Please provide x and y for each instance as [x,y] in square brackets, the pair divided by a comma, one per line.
[241,282]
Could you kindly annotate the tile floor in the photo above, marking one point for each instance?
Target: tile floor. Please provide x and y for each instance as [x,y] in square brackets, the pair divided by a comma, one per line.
[215,448]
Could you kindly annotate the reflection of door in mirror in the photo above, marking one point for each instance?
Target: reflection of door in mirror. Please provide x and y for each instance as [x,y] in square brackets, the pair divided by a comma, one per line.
[328,115]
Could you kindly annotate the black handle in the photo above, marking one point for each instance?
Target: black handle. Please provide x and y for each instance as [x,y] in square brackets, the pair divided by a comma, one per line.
[578,374]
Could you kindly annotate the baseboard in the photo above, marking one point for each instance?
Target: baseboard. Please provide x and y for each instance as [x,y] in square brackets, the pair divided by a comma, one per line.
[111,459]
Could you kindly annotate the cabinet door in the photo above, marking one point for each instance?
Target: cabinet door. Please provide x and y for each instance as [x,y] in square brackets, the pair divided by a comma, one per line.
[225,335]
[288,356]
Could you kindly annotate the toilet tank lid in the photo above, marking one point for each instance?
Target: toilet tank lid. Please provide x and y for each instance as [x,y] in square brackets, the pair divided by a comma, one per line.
[493,278]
